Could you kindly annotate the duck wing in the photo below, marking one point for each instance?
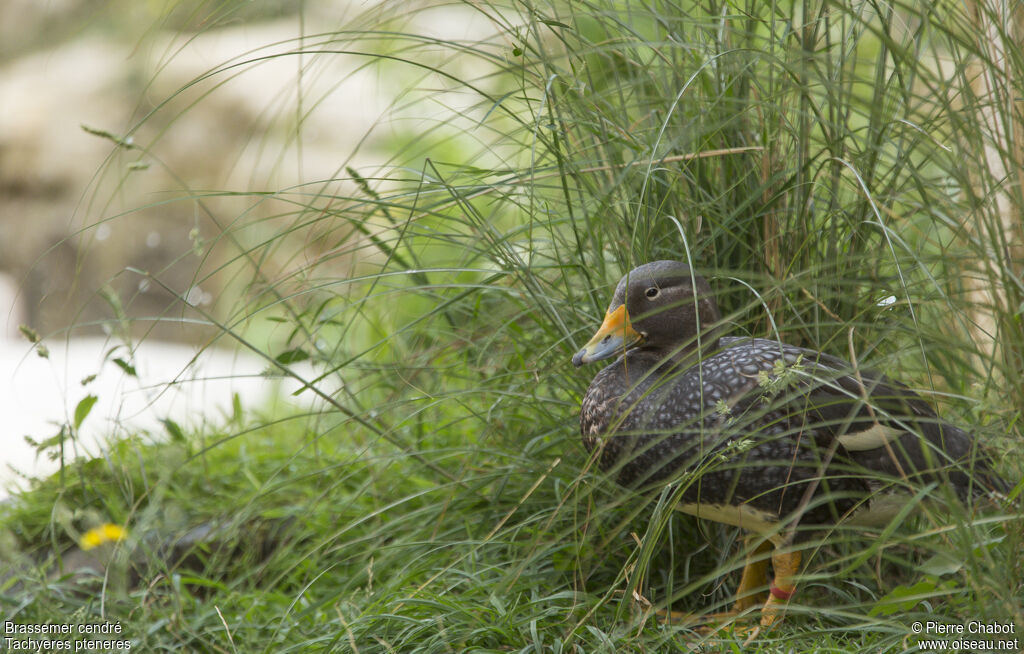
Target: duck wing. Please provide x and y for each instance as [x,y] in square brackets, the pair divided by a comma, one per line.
[880,424]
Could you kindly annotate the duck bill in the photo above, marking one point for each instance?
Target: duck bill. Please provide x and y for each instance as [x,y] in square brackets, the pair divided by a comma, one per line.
[616,335]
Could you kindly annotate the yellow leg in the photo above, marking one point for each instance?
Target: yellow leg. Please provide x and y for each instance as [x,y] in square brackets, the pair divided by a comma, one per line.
[786,566]
[754,567]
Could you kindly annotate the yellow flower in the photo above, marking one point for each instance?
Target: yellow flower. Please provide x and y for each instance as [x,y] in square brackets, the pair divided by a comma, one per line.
[106,533]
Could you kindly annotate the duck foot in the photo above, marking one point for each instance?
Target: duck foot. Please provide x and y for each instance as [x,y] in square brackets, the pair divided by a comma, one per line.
[773,604]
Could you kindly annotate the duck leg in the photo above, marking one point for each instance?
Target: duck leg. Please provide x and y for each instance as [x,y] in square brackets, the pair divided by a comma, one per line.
[786,565]
[755,566]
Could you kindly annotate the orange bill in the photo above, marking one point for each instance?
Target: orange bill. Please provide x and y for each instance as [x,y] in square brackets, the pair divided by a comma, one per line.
[616,335]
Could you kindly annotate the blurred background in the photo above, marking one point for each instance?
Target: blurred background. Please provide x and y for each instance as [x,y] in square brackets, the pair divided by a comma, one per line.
[103,244]
[230,107]
[289,292]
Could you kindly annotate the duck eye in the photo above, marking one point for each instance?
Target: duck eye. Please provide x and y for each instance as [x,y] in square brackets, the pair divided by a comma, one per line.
[652,292]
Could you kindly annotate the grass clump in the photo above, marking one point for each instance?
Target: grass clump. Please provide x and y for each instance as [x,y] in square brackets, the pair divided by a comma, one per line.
[814,160]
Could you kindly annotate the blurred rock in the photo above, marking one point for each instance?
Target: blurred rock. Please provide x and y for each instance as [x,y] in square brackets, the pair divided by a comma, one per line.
[77,213]
[201,146]
[47,167]
[22,21]
[12,308]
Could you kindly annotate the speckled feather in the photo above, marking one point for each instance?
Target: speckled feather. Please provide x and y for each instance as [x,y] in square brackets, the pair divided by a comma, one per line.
[651,427]
[753,423]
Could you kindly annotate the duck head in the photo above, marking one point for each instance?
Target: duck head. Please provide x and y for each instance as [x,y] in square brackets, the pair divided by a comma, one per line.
[658,309]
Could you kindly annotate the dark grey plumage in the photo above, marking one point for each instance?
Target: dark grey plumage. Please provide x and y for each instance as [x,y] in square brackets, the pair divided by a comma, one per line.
[784,430]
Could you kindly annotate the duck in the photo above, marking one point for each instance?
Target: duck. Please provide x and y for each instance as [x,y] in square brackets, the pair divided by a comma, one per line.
[779,440]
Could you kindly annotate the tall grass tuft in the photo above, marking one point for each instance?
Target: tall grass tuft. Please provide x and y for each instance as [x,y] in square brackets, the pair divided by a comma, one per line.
[847,175]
